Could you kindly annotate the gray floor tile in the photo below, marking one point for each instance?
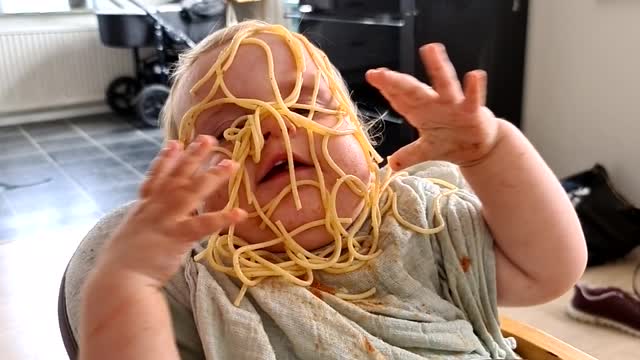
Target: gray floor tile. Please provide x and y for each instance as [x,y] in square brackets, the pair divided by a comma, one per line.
[45,178]
[154,133]
[64,143]
[89,165]
[71,155]
[4,207]
[72,201]
[48,219]
[100,173]
[8,233]
[100,124]
[59,191]
[119,135]
[50,130]
[30,174]
[123,147]
[114,197]
[159,138]
[6,131]
[16,145]
[15,162]
[141,167]
[141,156]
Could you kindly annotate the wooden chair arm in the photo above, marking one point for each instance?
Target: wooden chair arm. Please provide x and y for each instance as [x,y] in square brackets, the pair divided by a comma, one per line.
[534,344]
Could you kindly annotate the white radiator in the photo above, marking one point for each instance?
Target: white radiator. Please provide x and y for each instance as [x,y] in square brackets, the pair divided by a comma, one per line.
[44,68]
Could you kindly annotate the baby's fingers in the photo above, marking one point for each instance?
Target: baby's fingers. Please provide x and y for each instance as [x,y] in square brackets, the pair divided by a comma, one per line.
[442,73]
[408,155]
[193,157]
[196,227]
[475,90]
[161,165]
[404,92]
[201,185]
[213,178]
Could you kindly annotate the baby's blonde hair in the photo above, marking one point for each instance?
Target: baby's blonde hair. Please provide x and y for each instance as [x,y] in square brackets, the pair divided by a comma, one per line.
[218,38]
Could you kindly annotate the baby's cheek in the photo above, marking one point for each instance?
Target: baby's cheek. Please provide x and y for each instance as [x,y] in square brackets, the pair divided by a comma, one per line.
[347,152]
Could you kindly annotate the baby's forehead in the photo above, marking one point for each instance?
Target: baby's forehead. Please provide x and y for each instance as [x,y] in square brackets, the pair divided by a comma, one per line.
[249,70]
[248,75]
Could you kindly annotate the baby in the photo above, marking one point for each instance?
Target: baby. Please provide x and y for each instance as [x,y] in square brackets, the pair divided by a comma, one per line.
[313,251]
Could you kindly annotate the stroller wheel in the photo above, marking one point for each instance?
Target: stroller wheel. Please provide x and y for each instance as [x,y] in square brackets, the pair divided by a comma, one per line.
[121,95]
[150,103]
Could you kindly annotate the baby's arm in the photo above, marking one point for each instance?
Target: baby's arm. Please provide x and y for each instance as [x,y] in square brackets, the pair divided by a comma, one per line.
[124,314]
[540,248]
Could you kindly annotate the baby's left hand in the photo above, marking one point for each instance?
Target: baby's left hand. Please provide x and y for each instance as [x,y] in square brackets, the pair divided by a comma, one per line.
[454,125]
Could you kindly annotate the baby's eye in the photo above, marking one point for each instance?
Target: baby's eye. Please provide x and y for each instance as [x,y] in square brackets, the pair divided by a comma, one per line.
[232,126]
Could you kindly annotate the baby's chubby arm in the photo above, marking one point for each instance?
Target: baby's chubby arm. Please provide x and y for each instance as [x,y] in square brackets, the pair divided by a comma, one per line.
[540,247]
[124,314]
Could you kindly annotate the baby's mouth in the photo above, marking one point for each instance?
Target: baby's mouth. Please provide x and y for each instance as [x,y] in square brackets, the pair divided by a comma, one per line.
[280,169]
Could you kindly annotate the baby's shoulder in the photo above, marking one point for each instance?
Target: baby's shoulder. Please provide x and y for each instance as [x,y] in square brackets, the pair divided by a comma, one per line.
[423,176]
[84,258]
[108,222]
[433,183]
[86,252]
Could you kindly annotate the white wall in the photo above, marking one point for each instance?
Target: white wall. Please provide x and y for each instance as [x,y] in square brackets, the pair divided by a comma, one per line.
[54,66]
[582,92]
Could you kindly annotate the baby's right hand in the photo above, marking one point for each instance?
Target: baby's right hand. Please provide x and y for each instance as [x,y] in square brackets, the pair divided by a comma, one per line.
[160,229]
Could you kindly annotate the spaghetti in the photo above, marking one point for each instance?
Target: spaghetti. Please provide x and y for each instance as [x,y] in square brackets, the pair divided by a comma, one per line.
[350,250]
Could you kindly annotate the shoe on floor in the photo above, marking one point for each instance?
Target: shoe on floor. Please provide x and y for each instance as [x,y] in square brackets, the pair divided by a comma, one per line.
[608,306]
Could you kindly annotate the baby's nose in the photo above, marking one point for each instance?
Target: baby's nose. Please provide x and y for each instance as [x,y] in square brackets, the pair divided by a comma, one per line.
[272,126]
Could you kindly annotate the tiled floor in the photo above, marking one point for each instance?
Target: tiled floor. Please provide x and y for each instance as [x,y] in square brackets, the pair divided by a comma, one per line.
[56,180]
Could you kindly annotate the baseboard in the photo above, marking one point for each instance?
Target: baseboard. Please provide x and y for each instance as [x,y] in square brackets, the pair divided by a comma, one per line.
[26,117]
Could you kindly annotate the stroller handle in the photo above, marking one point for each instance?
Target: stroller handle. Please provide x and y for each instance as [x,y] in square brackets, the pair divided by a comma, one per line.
[176,35]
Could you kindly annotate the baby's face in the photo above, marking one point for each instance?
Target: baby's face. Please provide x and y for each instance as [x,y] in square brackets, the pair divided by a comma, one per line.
[248,78]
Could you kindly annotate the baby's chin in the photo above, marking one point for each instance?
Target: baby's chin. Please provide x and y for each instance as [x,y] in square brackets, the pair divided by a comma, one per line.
[292,218]
[309,240]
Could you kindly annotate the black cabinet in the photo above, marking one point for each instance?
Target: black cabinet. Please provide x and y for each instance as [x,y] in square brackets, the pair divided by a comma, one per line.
[481,34]
[353,48]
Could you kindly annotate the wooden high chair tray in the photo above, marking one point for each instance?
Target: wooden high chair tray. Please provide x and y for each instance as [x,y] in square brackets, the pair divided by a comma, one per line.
[534,344]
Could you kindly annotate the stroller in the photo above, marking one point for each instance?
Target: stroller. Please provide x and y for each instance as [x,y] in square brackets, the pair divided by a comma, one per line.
[168,31]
